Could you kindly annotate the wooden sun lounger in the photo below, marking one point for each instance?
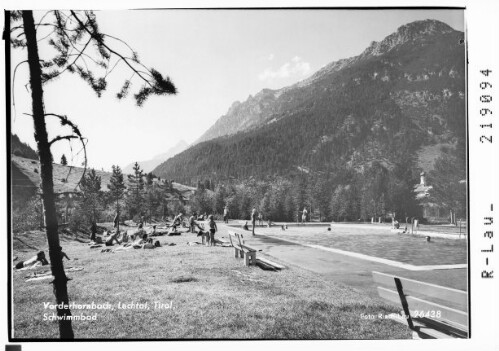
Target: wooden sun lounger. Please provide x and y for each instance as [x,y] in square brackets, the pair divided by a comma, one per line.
[446,316]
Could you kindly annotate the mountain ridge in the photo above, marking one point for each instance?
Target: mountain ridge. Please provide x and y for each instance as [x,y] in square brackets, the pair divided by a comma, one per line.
[149,165]
[397,97]
[258,109]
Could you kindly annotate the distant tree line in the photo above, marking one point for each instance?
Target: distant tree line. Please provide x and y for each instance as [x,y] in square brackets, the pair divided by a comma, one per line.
[143,195]
[347,196]
[448,179]
[344,195]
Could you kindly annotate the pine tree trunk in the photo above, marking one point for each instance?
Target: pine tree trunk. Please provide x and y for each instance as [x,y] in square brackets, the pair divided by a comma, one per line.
[41,137]
[66,213]
[117,215]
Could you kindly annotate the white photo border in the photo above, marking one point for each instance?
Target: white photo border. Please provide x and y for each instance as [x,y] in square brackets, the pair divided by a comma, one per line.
[482,33]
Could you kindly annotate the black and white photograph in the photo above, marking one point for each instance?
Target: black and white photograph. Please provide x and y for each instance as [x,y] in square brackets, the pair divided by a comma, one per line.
[214,173]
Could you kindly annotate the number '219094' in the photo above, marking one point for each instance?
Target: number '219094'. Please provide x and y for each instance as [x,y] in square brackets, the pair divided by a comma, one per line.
[486,99]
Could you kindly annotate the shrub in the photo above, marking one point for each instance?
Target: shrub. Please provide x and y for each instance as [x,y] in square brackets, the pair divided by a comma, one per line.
[28,217]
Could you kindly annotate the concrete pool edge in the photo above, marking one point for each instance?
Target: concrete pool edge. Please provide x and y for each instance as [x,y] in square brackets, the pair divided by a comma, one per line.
[364,226]
[385,261]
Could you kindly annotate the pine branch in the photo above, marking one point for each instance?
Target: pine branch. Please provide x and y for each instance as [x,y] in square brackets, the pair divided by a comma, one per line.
[98,38]
[43,17]
[80,53]
[65,121]
[14,82]
[66,137]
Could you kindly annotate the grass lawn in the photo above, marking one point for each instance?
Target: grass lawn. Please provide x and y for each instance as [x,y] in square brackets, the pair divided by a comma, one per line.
[213,295]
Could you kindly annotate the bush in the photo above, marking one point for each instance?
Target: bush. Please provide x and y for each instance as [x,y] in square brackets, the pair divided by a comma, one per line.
[28,217]
[78,220]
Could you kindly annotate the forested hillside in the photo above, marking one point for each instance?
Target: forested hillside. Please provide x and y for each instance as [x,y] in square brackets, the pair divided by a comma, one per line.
[356,122]
[21,149]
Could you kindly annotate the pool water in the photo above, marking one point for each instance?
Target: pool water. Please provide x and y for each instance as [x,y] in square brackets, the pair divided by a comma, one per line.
[378,242]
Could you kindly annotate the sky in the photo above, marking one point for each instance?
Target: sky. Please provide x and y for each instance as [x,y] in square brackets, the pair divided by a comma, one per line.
[214,58]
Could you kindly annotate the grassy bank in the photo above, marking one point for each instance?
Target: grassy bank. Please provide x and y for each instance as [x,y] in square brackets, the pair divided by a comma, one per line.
[213,295]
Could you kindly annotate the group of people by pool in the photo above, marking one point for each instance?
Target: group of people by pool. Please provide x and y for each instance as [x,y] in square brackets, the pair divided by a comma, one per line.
[254,217]
[140,238]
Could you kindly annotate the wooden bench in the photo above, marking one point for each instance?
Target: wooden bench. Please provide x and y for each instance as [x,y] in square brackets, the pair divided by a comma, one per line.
[445,316]
[241,250]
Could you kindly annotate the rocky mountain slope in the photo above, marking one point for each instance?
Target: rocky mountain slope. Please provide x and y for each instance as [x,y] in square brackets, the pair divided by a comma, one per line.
[269,105]
[389,104]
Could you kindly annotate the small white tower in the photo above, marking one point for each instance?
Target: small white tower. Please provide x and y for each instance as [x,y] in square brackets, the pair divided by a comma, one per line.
[423,179]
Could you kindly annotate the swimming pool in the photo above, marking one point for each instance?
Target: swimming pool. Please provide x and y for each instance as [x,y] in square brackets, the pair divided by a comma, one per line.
[378,242]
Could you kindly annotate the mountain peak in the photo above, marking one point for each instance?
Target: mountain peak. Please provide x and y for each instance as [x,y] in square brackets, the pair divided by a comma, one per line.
[408,32]
[349,114]
[267,106]
[427,26]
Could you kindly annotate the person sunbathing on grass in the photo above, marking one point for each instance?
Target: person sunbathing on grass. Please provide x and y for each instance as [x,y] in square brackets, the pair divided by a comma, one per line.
[151,245]
[112,238]
[158,232]
[124,237]
[177,220]
[137,233]
[37,260]
[137,244]
[153,231]
[173,231]
[144,243]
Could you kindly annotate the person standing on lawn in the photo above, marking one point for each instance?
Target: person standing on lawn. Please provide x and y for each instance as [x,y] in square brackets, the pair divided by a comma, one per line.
[226,214]
[192,222]
[253,219]
[213,230]
[93,231]
[116,220]
[260,219]
[304,215]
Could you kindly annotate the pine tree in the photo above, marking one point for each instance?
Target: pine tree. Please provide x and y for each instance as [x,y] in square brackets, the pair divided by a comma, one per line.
[321,194]
[92,195]
[153,193]
[300,196]
[117,188]
[289,206]
[64,161]
[448,179]
[135,196]
[374,191]
[219,199]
